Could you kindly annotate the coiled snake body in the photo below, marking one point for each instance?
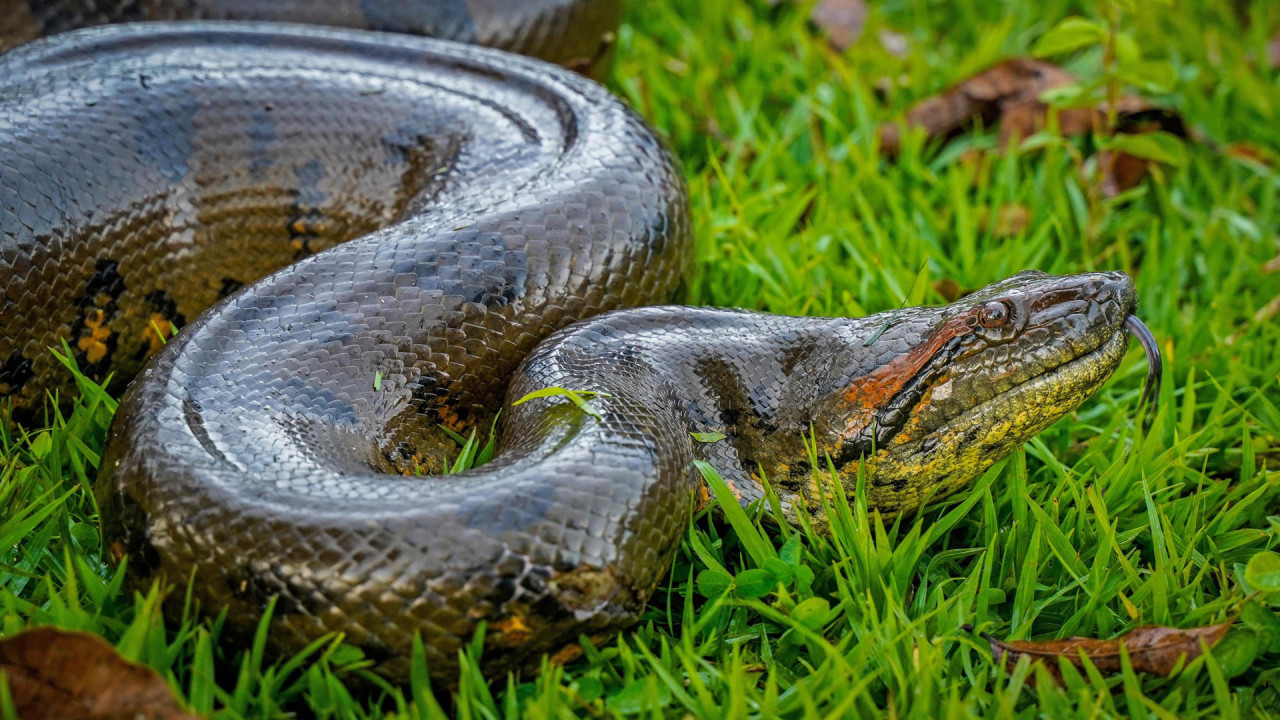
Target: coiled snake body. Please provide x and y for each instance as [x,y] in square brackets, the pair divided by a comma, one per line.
[428,217]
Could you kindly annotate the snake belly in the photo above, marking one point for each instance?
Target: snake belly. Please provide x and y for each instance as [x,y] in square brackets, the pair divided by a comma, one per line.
[485,200]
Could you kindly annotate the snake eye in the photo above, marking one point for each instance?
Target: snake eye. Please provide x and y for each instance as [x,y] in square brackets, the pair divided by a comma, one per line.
[995,314]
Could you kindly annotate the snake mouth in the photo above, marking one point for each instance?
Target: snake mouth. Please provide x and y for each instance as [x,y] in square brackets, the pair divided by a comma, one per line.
[969,442]
[964,446]
[993,427]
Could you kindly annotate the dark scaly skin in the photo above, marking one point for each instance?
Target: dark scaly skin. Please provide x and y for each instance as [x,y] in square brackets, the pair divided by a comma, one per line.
[146,165]
[577,33]
[257,448]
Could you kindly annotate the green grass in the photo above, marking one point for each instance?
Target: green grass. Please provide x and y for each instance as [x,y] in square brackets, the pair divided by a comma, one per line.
[1091,529]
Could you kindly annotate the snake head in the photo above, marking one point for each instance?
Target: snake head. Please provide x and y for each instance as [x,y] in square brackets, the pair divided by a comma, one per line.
[942,393]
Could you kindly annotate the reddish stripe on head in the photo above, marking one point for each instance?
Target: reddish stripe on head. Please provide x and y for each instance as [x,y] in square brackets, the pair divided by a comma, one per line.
[871,392]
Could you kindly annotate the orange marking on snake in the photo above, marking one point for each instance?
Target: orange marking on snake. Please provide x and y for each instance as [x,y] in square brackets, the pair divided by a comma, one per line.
[870,392]
[94,344]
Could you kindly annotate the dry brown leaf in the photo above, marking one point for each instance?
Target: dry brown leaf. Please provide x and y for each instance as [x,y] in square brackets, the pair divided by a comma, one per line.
[1120,171]
[58,675]
[1152,649]
[1250,152]
[1273,51]
[1007,95]
[1011,86]
[948,289]
[840,20]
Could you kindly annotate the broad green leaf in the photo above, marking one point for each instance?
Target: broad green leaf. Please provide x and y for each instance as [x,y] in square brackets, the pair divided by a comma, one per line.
[754,583]
[713,583]
[1265,622]
[1071,34]
[812,613]
[1263,571]
[1127,48]
[85,536]
[589,688]
[790,551]
[1074,95]
[708,437]
[41,445]
[781,571]
[804,579]
[1236,652]
[1158,146]
[1150,75]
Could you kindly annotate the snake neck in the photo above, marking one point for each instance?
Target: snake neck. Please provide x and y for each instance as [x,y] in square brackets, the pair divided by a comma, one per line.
[912,403]
[759,383]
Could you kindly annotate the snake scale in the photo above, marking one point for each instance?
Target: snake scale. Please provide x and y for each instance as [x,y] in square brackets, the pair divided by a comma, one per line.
[367,236]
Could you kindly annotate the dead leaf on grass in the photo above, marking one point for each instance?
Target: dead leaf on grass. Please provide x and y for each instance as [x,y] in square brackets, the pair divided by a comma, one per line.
[57,675]
[840,20]
[1152,649]
[1012,86]
[948,289]
[1007,96]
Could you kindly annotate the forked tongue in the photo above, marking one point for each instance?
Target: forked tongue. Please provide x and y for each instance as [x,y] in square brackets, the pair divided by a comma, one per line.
[1151,391]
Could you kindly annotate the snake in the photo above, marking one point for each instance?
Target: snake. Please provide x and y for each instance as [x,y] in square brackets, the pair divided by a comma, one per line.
[312,258]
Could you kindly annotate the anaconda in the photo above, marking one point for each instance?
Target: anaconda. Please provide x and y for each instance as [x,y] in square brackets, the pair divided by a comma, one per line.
[398,233]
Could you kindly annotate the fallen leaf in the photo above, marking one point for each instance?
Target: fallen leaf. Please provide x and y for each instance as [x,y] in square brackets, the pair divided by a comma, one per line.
[948,289]
[1273,51]
[1008,96]
[1014,84]
[1120,171]
[55,675]
[1249,152]
[840,20]
[1151,649]
[1135,116]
